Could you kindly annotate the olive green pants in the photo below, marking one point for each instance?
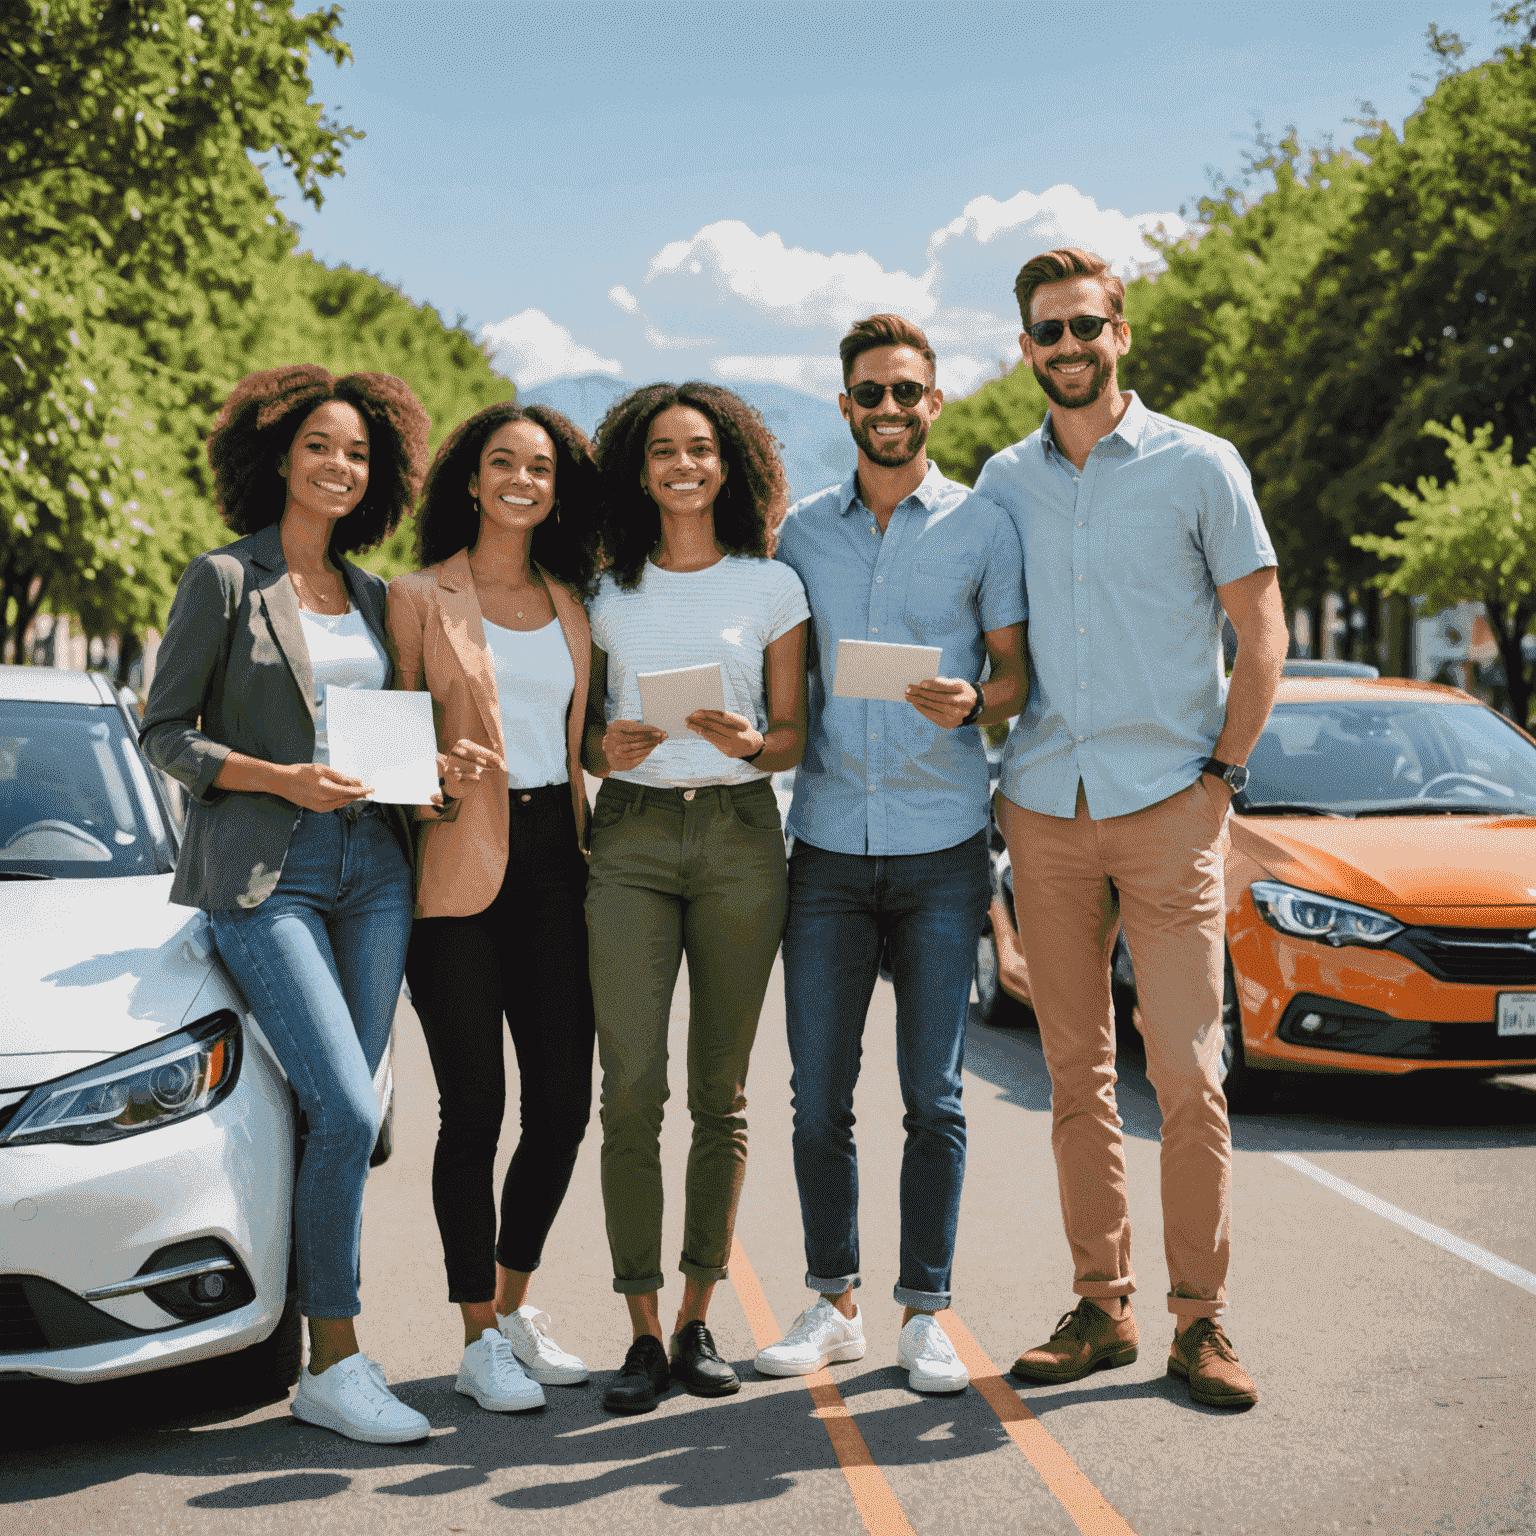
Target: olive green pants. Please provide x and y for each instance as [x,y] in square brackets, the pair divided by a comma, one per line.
[699,872]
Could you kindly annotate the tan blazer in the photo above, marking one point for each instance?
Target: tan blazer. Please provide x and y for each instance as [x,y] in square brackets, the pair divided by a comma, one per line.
[439,636]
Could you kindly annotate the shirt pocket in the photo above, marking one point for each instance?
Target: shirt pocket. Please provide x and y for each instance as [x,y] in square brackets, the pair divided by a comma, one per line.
[939,593]
[1148,546]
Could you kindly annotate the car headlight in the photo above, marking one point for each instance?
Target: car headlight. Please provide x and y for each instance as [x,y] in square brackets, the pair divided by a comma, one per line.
[158,1084]
[1324,918]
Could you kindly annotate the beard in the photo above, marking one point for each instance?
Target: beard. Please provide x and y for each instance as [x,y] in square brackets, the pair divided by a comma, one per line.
[891,452]
[1096,382]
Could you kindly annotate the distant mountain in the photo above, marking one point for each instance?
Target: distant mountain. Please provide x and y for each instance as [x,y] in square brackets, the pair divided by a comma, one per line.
[817,449]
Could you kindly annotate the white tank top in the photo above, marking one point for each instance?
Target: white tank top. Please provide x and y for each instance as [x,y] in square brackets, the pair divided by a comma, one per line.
[535,678]
[343,653]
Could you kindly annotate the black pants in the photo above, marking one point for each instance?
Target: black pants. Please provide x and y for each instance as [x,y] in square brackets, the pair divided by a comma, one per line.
[524,957]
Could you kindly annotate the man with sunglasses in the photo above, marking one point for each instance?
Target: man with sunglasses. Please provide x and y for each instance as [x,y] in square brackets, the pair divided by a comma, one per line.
[890,824]
[1138,533]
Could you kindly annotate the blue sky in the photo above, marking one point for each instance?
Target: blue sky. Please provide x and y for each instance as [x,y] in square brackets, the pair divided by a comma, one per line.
[688,188]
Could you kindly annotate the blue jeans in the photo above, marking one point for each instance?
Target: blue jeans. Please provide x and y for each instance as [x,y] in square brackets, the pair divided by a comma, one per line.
[320,962]
[843,909]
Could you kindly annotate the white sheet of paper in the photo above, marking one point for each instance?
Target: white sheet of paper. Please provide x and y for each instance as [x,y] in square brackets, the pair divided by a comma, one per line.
[871,669]
[668,698]
[384,739]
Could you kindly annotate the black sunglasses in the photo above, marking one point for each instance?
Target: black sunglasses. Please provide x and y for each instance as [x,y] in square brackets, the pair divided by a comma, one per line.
[1046,333]
[907,392]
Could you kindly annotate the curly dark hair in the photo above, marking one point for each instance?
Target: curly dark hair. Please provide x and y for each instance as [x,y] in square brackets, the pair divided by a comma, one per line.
[751,503]
[257,425]
[565,543]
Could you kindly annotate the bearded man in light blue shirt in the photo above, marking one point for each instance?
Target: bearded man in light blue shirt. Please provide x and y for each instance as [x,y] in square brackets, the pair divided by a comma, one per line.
[889,818]
[1139,532]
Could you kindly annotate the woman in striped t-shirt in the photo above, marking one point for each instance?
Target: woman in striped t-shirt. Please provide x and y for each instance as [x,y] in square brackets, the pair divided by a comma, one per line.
[687,847]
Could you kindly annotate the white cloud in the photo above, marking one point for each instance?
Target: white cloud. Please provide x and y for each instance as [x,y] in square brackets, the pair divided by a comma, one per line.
[531,349]
[1059,216]
[664,343]
[792,285]
[756,292]
[815,373]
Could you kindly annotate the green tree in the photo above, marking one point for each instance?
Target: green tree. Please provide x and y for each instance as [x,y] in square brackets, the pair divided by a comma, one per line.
[969,431]
[1474,536]
[132,208]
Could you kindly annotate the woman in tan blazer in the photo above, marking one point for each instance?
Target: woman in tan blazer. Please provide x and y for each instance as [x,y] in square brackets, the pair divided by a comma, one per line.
[493,628]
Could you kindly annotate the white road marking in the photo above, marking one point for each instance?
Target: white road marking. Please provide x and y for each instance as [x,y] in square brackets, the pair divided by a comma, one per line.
[1411,1223]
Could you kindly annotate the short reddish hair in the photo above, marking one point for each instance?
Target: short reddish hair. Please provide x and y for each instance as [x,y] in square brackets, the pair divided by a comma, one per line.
[1057,266]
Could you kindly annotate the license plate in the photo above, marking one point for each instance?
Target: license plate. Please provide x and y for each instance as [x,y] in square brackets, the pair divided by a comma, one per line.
[1517,1013]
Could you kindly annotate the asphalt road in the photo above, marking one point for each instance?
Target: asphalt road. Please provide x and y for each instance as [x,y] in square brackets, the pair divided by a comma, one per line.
[1396,1373]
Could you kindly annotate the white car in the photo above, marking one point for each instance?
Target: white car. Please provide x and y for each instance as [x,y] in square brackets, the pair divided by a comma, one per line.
[147,1133]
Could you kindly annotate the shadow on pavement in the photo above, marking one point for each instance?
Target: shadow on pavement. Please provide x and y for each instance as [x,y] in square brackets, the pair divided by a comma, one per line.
[695,1453]
[1313,1112]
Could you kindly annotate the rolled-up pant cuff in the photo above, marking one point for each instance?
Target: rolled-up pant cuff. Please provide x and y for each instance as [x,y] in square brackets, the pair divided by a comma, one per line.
[326,1314]
[704,1272]
[1196,1306]
[641,1287]
[921,1301]
[835,1287]
[1095,1289]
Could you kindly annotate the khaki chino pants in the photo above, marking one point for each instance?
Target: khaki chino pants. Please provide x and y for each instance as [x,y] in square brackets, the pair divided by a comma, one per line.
[698,872]
[1166,865]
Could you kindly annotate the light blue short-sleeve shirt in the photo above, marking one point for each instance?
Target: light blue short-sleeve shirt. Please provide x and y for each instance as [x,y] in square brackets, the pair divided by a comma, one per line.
[1121,564]
[877,777]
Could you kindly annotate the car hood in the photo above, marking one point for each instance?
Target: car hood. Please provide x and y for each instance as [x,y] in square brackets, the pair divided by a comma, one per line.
[1401,862]
[92,968]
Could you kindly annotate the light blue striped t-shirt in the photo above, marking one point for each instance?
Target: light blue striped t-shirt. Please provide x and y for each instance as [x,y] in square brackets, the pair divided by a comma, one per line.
[728,613]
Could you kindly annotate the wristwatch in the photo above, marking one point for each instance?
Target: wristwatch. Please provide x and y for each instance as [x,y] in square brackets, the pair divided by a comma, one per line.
[975,710]
[1233,775]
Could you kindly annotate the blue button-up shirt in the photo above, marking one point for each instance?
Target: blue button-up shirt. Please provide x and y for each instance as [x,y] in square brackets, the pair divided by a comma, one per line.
[877,777]
[1121,563]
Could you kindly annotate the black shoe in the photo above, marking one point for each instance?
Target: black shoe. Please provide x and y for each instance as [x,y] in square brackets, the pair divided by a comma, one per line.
[642,1379]
[696,1363]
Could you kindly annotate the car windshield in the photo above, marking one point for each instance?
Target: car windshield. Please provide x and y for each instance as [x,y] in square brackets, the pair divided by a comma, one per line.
[1390,757]
[75,796]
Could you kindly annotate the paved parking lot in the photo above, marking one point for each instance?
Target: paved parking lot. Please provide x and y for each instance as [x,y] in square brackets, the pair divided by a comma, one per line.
[1396,1367]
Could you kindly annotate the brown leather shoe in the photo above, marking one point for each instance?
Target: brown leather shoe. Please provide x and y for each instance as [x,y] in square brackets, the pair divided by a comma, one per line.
[1086,1339]
[1203,1356]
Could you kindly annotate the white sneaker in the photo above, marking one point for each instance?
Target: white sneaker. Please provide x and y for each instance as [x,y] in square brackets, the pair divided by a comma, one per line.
[353,1401]
[929,1358]
[820,1335]
[490,1374]
[527,1331]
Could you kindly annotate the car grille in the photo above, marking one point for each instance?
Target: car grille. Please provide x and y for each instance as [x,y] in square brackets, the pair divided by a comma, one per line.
[1487,957]
[19,1330]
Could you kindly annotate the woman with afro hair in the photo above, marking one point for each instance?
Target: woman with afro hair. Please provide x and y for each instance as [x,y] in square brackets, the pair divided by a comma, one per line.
[306,883]
[493,628]
[687,847]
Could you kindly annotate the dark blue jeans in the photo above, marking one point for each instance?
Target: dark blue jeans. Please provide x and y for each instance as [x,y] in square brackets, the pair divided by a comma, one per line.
[320,962]
[843,909]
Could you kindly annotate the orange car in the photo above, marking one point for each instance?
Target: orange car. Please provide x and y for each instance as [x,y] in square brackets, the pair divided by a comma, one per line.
[1381,891]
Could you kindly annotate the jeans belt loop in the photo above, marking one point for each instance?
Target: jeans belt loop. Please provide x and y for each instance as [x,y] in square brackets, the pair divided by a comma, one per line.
[637,805]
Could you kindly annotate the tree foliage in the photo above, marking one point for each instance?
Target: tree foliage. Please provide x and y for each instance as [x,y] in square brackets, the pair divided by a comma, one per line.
[131,207]
[145,266]
[1474,536]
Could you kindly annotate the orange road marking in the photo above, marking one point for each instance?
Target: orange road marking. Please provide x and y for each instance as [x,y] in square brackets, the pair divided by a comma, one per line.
[877,1506]
[1091,1512]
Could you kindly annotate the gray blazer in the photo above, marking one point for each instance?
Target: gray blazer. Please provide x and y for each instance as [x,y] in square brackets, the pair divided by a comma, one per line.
[233,675]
